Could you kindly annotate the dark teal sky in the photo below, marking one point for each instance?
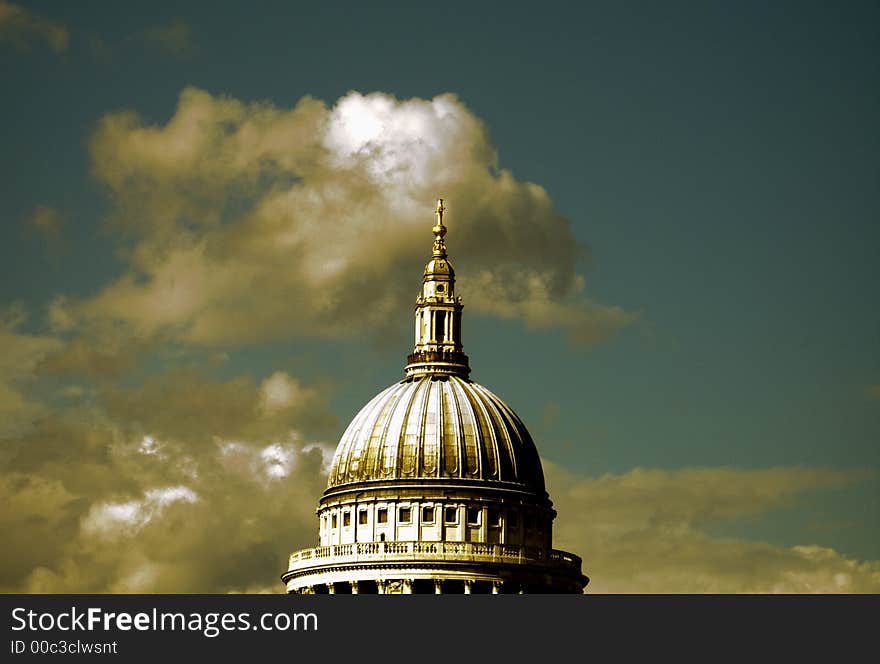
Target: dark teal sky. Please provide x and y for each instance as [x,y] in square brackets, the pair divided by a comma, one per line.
[719,160]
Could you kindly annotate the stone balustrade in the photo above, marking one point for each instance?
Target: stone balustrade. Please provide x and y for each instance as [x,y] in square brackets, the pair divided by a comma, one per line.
[420,551]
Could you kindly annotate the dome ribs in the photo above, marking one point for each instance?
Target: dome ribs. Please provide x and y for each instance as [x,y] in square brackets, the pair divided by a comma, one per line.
[470,430]
[489,447]
[517,445]
[436,428]
[461,427]
[339,467]
[533,472]
[450,448]
[411,432]
[363,435]
[431,431]
[391,445]
[376,448]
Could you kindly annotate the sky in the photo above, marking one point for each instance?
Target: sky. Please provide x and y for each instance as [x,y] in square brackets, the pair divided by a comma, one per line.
[664,222]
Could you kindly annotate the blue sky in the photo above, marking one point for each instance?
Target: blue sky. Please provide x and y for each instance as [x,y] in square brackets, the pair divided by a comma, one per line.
[711,199]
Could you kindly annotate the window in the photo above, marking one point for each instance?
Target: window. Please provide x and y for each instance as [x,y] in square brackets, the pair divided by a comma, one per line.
[473,515]
[405,515]
[346,519]
[333,521]
[382,515]
[363,517]
[439,325]
[428,514]
[439,288]
[494,518]
[451,514]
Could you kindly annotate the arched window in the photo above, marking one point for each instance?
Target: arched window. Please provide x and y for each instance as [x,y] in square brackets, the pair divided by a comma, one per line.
[440,326]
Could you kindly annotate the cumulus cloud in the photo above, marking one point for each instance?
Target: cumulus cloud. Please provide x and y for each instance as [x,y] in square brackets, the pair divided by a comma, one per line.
[243,222]
[164,481]
[185,405]
[224,520]
[119,521]
[21,28]
[22,352]
[646,531]
[185,484]
[179,484]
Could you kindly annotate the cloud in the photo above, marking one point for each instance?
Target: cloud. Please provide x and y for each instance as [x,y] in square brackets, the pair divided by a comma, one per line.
[528,297]
[645,531]
[245,222]
[179,484]
[117,513]
[21,28]
[116,521]
[184,405]
[174,38]
[22,352]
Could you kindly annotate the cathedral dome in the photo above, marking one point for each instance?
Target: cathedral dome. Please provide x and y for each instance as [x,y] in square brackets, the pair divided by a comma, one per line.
[435,428]
[436,485]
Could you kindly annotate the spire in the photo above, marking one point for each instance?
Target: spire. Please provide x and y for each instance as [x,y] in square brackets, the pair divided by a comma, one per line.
[439,231]
[438,348]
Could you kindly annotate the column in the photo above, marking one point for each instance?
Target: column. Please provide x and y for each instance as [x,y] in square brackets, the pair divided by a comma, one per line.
[496,587]
[331,589]
[354,587]
[438,587]
[380,587]
[407,586]
[467,587]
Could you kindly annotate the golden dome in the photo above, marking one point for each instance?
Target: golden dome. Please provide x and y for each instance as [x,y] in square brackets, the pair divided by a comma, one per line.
[435,429]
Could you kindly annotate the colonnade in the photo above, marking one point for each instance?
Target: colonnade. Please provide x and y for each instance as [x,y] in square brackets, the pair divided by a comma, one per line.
[413,586]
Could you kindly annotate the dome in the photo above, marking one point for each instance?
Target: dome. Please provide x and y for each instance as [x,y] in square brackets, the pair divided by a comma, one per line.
[439,266]
[437,428]
[436,485]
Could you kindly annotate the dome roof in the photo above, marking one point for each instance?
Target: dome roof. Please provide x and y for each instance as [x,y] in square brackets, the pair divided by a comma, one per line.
[437,428]
[439,266]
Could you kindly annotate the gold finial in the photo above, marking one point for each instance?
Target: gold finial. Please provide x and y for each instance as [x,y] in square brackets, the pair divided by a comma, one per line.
[439,231]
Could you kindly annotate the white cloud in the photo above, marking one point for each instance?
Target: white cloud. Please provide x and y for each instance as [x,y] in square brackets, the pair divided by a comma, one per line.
[148,446]
[279,391]
[253,222]
[125,519]
[277,460]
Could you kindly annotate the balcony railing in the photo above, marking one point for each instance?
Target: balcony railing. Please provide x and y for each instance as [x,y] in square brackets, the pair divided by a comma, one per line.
[420,551]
